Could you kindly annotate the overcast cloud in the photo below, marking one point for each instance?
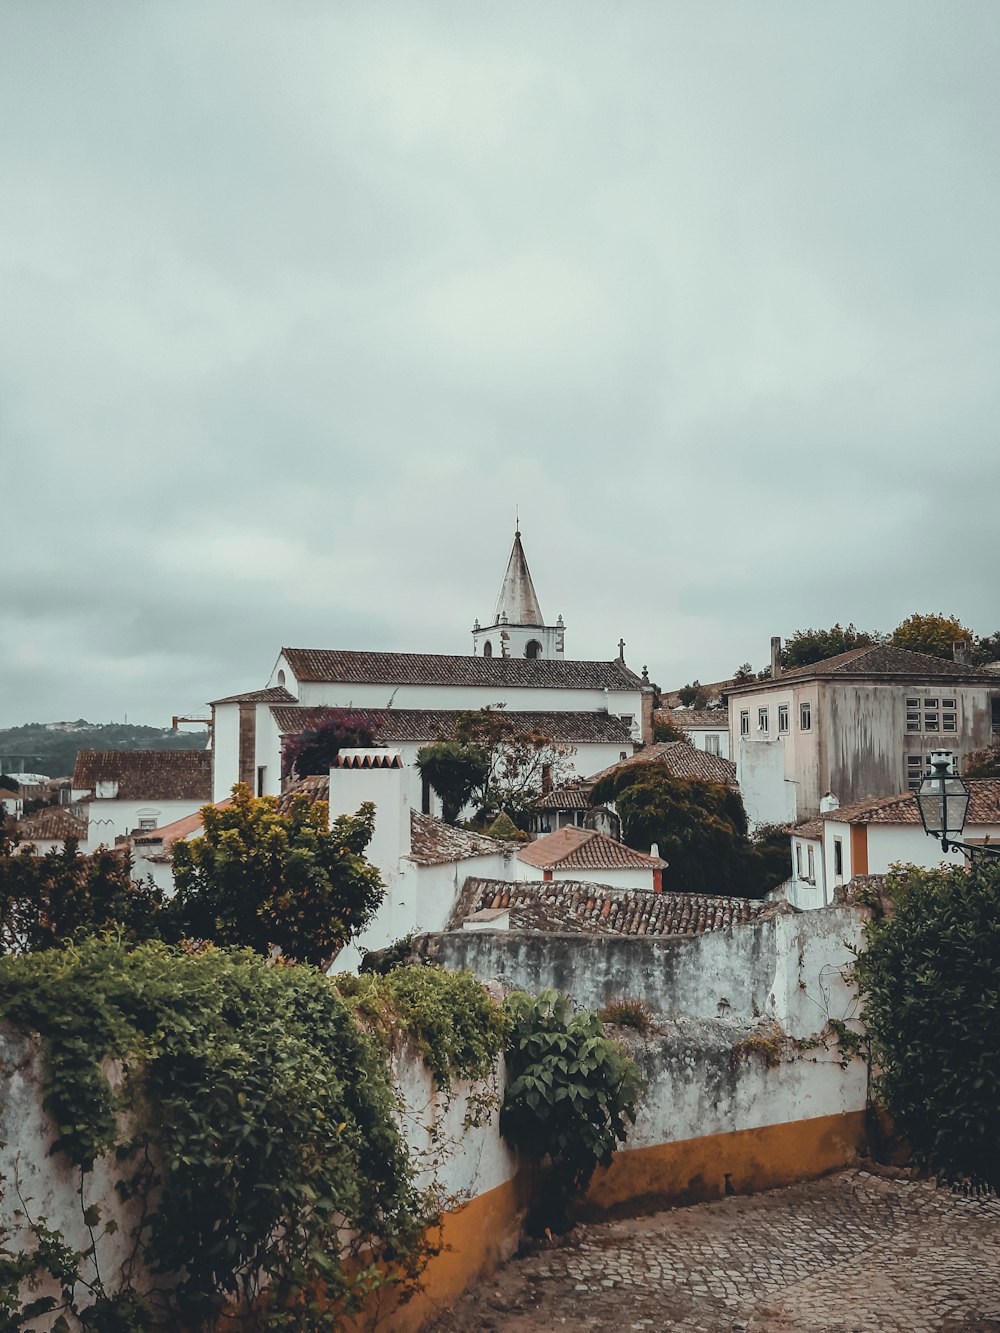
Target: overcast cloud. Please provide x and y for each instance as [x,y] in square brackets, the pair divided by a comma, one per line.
[299,300]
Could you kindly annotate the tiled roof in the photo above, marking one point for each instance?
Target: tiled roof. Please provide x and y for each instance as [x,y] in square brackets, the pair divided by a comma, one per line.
[53,822]
[572,905]
[433,842]
[681,760]
[694,719]
[564,798]
[392,725]
[147,775]
[877,661]
[273,694]
[316,788]
[585,849]
[809,828]
[319,665]
[984,807]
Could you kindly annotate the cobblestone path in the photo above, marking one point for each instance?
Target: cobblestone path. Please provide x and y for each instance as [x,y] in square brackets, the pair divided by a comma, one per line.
[851,1252]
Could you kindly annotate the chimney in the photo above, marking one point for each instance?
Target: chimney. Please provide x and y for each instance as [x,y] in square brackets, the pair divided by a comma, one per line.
[775,657]
[960,650]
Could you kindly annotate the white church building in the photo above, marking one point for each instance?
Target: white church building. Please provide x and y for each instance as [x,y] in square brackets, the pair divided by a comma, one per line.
[600,711]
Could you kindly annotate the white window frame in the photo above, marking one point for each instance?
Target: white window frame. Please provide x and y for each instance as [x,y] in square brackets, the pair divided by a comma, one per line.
[744,721]
[782,719]
[805,716]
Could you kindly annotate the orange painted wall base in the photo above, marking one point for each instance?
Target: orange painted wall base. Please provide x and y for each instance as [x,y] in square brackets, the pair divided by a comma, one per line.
[485,1232]
[742,1162]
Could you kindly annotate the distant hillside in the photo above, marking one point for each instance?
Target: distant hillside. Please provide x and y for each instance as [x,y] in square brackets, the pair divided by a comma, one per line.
[48,748]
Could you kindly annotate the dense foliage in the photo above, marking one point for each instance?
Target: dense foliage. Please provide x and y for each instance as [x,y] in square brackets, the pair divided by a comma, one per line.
[458,1030]
[260,1118]
[934,634]
[46,899]
[570,1092]
[700,829]
[806,646]
[455,771]
[694,695]
[520,762]
[665,730]
[983,763]
[930,980]
[259,878]
[314,750]
[53,752]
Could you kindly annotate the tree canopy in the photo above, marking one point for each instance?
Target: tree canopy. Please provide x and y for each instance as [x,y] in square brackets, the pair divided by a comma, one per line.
[700,829]
[47,899]
[455,771]
[934,634]
[694,695]
[258,878]
[930,980]
[806,646]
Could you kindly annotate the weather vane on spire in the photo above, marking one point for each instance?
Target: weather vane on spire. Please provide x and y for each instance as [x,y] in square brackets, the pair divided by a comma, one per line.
[517,520]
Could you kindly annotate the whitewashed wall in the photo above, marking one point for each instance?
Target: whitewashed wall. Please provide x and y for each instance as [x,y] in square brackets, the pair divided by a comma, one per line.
[109,819]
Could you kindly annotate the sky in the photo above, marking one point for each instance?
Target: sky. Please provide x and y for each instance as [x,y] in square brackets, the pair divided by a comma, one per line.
[301,301]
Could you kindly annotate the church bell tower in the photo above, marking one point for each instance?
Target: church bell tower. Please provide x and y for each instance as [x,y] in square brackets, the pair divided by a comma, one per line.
[517,629]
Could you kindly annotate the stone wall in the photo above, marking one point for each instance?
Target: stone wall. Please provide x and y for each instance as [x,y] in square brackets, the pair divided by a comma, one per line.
[790,967]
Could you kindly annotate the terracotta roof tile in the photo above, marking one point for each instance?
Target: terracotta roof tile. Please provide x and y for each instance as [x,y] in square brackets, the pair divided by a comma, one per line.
[564,798]
[877,661]
[147,775]
[178,830]
[392,725]
[334,666]
[433,842]
[694,719]
[984,807]
[681,760]
[578,849]
[53,822]
[273,694]
[576,906]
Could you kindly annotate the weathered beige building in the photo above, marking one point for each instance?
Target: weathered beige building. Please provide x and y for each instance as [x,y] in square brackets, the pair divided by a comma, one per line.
[858,725]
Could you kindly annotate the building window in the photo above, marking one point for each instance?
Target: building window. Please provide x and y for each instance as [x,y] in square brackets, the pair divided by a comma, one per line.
[712,745]
[745,722]
[146,824]
[838,857]
[782,718]
[798,860]
[805,717]
[261,779]
[628,719]
[762,723]
[811,871]
[916,766]
[932,714]
[487,649]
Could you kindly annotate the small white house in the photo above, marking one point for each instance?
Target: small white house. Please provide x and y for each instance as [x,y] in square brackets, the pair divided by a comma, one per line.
[125,792]
[869,837]
[584,854]
[706,728]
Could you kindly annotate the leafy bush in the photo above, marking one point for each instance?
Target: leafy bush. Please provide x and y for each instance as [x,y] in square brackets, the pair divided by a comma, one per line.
[262,1126]
[930,979]
[448,1016]
[47,899]
[314,750]
[570,1092]
[257,878]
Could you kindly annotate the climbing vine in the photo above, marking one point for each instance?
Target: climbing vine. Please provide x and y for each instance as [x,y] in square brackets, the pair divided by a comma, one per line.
[259,1127]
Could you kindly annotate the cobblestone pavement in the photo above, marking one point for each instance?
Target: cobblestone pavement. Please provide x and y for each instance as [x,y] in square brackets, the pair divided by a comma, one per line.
[850,1252]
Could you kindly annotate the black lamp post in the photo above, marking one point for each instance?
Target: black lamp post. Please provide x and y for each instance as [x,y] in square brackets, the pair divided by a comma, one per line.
[943,801]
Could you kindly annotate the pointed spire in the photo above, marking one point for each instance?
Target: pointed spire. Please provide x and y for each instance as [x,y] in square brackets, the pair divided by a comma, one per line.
[517,603]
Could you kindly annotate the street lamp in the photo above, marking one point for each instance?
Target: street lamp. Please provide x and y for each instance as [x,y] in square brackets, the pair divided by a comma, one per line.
[943,801]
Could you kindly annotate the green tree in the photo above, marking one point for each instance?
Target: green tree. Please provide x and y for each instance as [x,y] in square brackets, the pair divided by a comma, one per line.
[988,649]
[45,900]
[694,695]
[699,827]
[983,763]
[456,771]
[930,980]
[934,634]
[743,673]
[520,762]
[806,646]
[314,750]
[260,879]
